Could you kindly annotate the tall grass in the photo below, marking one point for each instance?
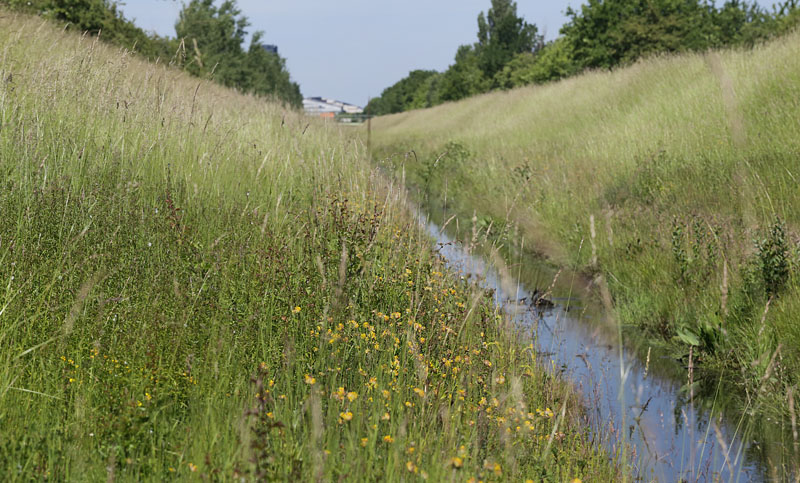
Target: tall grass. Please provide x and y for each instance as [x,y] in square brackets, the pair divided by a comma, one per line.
[687,166]
[196,284]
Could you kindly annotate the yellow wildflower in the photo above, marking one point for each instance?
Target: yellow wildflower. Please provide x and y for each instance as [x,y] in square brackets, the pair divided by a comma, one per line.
[388,439]
[497,470]
[346,416]
[352,396]
[457,462]
[296,310]
[310,380]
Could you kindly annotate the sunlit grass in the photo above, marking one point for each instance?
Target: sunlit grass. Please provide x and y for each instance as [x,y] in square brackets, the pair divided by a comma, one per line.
[688,165]
[195,283]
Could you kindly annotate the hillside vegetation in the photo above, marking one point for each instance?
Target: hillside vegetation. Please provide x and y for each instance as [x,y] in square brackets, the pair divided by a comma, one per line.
[197,284]
[599,34]
[209,42]
[673,181]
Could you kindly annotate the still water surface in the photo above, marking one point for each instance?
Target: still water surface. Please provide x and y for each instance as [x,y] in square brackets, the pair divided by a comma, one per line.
[673,431]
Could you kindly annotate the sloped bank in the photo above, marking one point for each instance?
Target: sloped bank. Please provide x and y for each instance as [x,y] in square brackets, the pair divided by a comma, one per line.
[198,284]
[675,179]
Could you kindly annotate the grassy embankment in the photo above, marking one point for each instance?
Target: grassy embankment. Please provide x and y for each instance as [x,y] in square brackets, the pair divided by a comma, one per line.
[195,283]
[675,179]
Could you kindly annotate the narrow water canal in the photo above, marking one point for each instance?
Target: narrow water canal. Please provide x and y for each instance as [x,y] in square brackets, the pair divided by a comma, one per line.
[672,432]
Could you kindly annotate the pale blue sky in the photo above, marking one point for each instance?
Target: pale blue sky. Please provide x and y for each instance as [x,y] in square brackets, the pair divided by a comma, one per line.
[352,49]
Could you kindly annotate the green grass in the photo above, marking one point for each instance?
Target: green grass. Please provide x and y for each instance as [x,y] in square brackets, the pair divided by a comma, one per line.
[688,166]
[197,284]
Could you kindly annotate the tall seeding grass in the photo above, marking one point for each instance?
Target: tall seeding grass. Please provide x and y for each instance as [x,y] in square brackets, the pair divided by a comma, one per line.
[675,179]
[200,284]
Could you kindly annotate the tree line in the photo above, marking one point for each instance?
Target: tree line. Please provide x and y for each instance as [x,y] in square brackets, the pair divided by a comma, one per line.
[601,34]
[209,42]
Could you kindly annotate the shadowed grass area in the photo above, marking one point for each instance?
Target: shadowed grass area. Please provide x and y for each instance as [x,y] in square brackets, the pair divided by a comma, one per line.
[197,284]
[676,180]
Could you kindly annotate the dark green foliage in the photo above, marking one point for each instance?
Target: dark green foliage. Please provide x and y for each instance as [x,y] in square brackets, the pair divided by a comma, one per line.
[773,258]
[410,90]
[502,34]
[608,33]
[465,78]
[215,36]
[267,74]
[552,62]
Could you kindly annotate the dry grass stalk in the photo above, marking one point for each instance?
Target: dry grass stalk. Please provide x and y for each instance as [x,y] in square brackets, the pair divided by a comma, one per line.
[593,232]
[793,416]
[724,288]
[724,446]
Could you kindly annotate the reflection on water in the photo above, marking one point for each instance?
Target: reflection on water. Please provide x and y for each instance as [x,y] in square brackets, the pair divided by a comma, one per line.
[675,431]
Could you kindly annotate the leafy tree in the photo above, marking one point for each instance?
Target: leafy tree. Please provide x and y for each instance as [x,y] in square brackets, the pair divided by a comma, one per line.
[554,61]
[400,96]
[428,94]
[266,74]
[607,33]
[501,35]
[215,35]
[464,78]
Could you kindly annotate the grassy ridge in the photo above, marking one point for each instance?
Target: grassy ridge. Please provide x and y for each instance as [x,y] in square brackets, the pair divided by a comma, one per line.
[675,179]
[194,283]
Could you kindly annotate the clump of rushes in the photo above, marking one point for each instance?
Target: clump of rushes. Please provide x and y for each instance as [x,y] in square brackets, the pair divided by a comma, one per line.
[195,284]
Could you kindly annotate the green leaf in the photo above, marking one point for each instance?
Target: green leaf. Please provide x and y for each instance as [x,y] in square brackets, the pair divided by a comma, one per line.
[688,337]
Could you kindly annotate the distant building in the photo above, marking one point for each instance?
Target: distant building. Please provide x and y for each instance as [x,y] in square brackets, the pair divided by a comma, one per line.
[323,107]
[272,49]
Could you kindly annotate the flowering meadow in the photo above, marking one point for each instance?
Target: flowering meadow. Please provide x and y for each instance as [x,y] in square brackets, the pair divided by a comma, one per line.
[201,285]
